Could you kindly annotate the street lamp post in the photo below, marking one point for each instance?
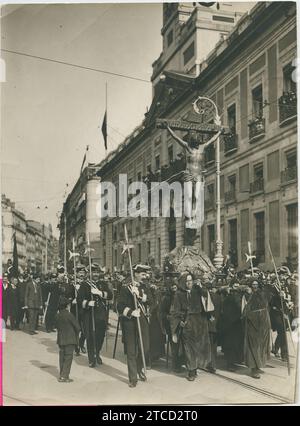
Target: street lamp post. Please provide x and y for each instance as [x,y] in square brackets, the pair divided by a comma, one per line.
[206,110]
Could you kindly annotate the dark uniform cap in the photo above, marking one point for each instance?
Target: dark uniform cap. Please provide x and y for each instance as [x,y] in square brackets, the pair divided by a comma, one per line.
[60,269]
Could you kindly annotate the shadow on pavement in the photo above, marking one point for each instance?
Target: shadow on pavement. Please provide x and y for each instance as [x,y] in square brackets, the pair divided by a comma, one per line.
[50,369]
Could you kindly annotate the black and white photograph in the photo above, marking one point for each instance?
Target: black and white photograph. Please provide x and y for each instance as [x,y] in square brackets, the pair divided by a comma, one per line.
[149,204]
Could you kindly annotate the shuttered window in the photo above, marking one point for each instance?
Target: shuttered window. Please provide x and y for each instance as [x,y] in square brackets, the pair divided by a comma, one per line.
[273,166]
[244,178]
[274,226]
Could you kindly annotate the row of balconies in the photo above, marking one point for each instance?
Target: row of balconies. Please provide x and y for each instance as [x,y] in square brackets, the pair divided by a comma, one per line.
[287,176]
[257,127]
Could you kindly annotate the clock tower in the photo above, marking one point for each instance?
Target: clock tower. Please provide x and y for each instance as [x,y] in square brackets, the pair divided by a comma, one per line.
[190,32]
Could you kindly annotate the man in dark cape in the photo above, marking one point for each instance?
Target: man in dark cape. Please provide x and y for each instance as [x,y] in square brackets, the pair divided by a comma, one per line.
[92,297]
[189,324]
[257,330]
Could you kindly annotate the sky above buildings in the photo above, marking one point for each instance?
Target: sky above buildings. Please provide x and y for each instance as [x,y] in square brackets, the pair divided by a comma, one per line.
[50,112]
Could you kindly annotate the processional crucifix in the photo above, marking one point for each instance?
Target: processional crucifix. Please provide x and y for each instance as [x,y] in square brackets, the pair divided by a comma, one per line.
[203,127]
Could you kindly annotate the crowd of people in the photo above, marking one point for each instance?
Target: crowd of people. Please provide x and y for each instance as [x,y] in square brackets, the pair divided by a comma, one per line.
[182,317]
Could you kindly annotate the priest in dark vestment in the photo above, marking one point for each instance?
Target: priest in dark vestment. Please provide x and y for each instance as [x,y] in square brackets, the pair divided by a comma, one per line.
[189,324]
[166,309]
[257,330]
[157,337]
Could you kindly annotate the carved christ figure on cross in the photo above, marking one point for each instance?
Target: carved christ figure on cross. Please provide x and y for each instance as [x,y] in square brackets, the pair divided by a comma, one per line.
[194,153]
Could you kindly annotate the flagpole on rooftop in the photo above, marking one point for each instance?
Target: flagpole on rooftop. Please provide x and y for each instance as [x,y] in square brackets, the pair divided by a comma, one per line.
[106,113]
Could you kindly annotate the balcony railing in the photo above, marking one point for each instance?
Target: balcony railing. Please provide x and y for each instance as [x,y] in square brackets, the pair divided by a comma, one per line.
[230,196]
[257,186]
[287,107]
[257,128]
[289,175]
[230,143]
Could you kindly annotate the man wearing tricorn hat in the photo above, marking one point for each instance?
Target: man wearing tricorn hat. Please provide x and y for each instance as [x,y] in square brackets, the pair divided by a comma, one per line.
[92,296]
[129,315]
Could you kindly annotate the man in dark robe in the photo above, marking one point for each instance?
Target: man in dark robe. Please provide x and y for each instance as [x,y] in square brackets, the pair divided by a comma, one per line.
[257,330]
[157,338]
[189,325]
[231,327]
[213,325]
[166,308]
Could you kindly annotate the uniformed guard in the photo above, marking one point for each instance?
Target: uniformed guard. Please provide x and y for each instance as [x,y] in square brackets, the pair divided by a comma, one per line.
[92,296]
[129,314]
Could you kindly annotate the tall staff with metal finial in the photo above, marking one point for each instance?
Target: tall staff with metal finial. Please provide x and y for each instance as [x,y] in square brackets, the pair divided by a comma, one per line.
[250,257]
[73,255]
[282,311]
[88,250]
[135,302]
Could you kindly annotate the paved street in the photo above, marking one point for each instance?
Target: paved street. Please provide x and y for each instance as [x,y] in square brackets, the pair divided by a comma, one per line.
[31,370]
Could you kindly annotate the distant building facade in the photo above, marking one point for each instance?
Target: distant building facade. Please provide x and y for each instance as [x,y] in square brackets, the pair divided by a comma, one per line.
[79,220]
[36,246]
[248,73]
[13,222]
[41,248]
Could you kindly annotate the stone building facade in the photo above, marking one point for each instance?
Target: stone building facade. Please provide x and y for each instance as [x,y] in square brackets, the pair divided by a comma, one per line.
[249,74]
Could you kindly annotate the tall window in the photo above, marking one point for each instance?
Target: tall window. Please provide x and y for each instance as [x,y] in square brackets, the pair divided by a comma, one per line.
[170,153]
[232,183]
[231,117]
[258,171]
[157,162]
[260,237]
[291,159]
[292,231]
[211,241]
[189,53]
[170,38]
[211,194]
[289,85]
[139,252]
[233,251]
[149,248]
[257,102]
